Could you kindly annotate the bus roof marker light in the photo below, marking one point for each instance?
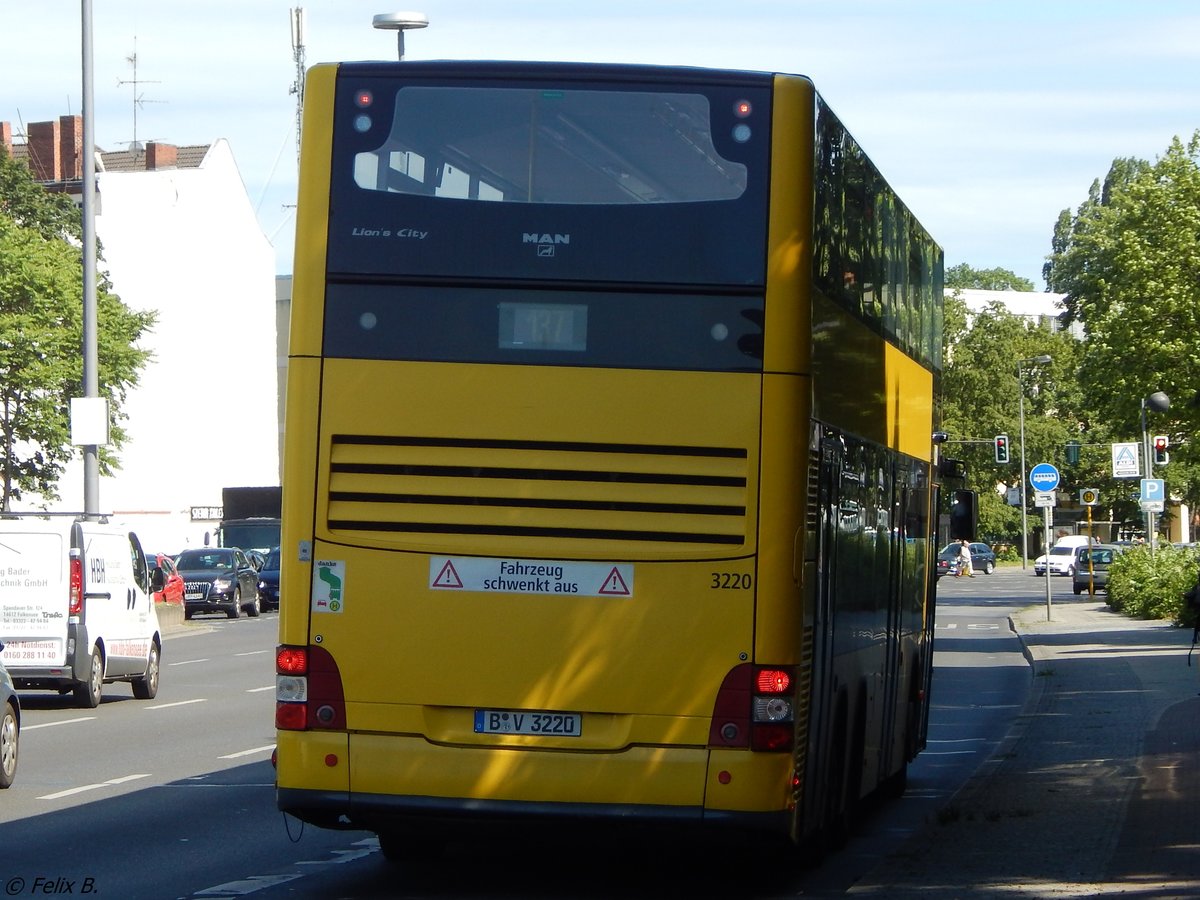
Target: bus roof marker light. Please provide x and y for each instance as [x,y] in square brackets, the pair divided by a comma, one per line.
[363,98]
[742,109]
[400,22]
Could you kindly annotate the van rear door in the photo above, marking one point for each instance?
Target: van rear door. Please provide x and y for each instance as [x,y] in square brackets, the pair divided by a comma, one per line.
[34,596]
[120,609]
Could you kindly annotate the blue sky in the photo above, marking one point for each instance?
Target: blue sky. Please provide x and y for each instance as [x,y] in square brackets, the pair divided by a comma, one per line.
[989,118]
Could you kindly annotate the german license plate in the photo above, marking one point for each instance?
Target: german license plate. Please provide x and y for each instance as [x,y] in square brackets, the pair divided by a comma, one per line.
[543,724]
[193,595]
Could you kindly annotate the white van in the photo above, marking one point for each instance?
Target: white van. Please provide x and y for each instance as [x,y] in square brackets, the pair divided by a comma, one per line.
[1061,558]
[76,608]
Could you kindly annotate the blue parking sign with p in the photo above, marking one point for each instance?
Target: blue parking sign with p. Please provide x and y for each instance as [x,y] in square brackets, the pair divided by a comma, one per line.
[1153,489]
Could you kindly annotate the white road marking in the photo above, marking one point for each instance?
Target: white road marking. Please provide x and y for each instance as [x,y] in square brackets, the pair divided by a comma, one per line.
[25,728]
[187,662]
[248,752]
[177,703]
[91,787]
[251,885]
[269,687]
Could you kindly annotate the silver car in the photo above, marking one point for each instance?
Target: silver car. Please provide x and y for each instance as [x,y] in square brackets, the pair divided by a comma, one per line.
[10,728]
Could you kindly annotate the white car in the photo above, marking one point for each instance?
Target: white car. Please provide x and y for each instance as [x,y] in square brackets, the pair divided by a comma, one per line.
[1061,560]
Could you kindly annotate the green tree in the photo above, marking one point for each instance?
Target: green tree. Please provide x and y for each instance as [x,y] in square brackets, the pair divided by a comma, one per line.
[41,338]
[1128,262]
[964,277]
[982,398]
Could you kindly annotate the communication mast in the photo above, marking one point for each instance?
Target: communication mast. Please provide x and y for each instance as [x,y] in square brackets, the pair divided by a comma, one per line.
[298,84]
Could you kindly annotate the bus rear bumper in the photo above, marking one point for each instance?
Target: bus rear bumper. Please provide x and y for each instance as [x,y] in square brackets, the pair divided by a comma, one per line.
[383,782]
[441,816]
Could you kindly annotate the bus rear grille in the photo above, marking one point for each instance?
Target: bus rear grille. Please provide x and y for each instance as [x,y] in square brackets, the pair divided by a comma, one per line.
[651,493]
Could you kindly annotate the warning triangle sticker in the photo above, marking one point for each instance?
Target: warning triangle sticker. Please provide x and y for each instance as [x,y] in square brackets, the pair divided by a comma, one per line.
[614,584]
[448,577]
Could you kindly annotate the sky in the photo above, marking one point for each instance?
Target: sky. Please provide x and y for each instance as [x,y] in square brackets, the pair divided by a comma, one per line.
[988,117]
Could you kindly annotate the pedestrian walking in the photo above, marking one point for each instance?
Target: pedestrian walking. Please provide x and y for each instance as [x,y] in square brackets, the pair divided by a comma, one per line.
[964,560]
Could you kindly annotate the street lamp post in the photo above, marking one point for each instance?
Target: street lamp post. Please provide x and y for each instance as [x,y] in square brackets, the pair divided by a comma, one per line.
[1039,360]
[1159,402]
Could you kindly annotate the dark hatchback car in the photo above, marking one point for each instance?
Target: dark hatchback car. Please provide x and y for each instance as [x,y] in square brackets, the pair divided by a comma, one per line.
[10,728]
[983,559]
[1096,579]
[268,581]
[218,579]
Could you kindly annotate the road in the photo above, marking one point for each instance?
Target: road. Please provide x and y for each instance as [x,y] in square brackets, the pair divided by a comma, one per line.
[174,797]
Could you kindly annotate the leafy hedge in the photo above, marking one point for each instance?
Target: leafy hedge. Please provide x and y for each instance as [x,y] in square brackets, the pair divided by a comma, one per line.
[1150,586]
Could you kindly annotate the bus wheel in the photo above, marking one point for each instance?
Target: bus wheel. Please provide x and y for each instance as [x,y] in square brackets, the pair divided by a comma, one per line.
[404,846]
[88,693]
[146,687]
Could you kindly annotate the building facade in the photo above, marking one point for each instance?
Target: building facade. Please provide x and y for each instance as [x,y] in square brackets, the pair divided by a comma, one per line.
[178,236]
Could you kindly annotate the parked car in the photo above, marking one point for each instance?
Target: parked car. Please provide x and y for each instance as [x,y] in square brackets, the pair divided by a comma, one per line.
[983,559]
[172,591]
[268,581]
[10,728]
[218,579]
[1102,556]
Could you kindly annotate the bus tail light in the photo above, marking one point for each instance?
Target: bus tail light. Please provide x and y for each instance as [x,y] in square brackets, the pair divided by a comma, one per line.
[755,709]
[308,689]
[75,600]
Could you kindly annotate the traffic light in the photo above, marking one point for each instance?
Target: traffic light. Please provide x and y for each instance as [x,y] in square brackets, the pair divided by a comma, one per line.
[1002,448]
[1161,456]
[1073,453]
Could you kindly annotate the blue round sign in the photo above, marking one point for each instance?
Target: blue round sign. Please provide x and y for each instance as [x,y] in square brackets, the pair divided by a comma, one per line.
[1043,477]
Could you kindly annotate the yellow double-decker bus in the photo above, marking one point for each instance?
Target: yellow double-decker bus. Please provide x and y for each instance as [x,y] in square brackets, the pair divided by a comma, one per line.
[609,465]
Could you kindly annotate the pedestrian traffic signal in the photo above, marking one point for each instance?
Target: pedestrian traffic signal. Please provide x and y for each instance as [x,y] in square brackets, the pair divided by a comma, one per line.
[1073,453]
[1002,448]
[1161,456]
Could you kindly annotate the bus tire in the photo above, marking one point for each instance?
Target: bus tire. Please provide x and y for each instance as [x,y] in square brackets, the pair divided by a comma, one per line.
[88,693]
[404,846]
[146,687]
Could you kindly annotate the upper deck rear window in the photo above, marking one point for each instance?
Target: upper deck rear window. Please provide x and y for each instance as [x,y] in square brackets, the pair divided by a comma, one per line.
[574,147]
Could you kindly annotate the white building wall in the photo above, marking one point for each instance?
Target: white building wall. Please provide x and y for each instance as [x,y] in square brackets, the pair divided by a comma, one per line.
[185,242]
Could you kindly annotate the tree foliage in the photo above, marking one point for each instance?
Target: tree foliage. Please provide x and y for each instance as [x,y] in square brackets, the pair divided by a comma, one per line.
[982,398]
[1128,262]
[965,277]
[41,338]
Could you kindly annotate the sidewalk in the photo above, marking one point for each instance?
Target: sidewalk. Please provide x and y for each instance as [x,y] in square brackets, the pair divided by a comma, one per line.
[1095,792]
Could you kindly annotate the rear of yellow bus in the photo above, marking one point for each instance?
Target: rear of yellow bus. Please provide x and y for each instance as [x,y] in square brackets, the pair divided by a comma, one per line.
[525,574]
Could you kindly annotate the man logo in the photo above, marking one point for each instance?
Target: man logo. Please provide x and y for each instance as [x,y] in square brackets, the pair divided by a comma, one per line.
[535,238]
[546,243]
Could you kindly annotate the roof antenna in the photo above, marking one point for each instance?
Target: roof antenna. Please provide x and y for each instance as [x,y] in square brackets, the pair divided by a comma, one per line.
[401,22]
[138,99]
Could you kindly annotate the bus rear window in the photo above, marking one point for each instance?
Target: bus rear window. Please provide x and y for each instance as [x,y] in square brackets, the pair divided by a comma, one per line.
[531,145]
